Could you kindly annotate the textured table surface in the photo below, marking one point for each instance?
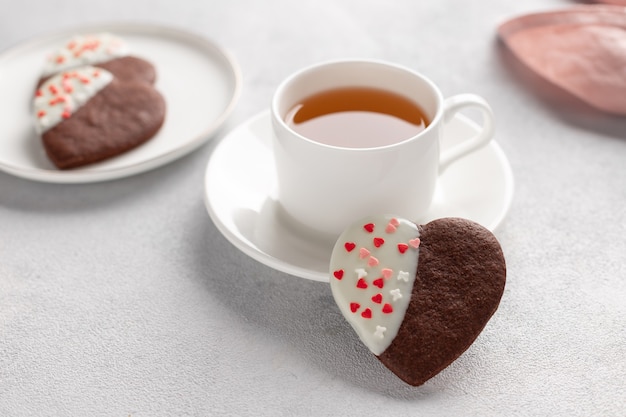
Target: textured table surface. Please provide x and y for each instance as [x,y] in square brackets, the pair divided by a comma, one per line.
[123,299]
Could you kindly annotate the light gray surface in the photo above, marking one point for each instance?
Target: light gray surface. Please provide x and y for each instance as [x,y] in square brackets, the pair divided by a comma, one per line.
[123,299]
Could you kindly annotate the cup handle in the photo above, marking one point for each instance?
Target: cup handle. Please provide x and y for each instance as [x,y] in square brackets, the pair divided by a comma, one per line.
[451,106]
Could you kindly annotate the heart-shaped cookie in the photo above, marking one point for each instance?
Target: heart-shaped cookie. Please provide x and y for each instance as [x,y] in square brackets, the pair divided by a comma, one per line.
[85,115]
[102,50]
[130,69]
[429,294]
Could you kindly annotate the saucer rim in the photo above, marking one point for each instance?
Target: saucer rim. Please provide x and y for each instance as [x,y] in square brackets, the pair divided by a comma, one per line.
[243,244]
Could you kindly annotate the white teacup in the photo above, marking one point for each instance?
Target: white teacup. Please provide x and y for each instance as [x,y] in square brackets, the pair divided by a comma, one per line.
[325,187]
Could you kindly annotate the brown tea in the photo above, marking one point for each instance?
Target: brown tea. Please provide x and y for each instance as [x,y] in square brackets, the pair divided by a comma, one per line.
[357,117]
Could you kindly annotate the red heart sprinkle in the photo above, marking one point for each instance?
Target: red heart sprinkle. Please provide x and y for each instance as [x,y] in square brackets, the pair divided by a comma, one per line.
[378,241]
[354,307]
[379,282]
[387,309]
[402,247]
[361,283]
[367,313]
[378,298]
[349,246]
[338,274]
[369,227]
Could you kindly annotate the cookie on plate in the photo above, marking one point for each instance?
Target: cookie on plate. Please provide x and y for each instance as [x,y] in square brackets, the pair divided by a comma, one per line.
[417,296]
[86,115]
[102,50]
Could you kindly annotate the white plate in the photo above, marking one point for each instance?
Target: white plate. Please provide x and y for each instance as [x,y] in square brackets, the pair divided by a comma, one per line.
[201,84]
[240,190]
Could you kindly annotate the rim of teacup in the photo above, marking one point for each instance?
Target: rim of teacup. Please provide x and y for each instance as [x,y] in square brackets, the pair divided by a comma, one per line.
[278,118]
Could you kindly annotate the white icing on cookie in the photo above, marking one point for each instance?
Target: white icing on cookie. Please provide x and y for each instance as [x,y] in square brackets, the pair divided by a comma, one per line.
[373,269]
[61,95]
[85,50]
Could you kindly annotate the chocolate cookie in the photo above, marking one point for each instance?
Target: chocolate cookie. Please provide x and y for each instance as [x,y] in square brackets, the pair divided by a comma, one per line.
[102,50]
[131,69]
[417,296]
[86,115]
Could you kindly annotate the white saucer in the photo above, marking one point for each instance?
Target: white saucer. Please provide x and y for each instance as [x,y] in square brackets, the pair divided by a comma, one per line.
[200,82]
[240,190]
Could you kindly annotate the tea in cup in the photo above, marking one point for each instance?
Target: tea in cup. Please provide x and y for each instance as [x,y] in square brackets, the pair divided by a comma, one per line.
[354,138]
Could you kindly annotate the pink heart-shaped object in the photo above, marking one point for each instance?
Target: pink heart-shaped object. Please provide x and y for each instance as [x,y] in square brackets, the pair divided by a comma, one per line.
[580,49]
